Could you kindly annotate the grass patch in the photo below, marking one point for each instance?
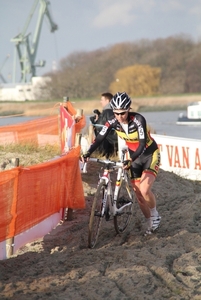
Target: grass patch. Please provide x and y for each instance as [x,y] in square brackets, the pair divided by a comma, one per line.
[29,154]
[30,148]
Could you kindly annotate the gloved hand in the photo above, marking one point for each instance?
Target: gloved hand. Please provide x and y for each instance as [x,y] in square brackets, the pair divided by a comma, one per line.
[85,156]
[127,164]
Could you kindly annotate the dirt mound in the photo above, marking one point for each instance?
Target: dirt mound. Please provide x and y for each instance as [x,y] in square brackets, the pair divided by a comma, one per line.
[165,265]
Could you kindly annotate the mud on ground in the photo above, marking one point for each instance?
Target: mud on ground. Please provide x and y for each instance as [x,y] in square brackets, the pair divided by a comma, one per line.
[165,265]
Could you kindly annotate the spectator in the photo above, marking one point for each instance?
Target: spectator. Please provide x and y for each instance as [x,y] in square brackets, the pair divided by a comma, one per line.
[109,146]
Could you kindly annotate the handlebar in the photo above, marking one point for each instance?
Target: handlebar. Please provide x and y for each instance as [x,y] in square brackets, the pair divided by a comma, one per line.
[107,162]
[114,164]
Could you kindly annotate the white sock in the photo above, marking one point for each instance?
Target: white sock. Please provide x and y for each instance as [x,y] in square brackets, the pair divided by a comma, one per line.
[154,212]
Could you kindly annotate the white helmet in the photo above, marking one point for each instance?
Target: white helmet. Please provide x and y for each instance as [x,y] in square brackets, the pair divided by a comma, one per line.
[120,101]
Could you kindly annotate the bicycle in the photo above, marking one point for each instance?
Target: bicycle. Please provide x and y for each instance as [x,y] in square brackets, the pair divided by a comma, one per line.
[109,204]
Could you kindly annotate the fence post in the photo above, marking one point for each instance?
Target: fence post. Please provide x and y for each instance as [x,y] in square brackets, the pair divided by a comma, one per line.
[91,134]
[78,139]
[9,247]
[79,112]
[10,242]
[69,211]
[15,162]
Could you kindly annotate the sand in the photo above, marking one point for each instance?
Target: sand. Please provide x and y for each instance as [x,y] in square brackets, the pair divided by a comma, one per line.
[165,265]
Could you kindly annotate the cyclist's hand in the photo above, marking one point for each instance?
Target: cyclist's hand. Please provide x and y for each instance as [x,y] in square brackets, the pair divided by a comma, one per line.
[85,157]
[126,164]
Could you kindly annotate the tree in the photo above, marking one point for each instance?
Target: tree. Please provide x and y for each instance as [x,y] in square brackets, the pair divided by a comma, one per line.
[137,80]
[176,62]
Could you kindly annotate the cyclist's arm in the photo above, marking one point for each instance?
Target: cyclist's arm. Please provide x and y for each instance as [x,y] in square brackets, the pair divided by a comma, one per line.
[100,137]
[140,123]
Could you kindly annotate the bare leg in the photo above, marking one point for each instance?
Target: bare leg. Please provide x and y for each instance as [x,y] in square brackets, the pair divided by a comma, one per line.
[145,197]
[146,183]
[141,201]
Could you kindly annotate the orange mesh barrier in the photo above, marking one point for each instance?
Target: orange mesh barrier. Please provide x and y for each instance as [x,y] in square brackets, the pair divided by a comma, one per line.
[35,131]
[30,195]
[42,131]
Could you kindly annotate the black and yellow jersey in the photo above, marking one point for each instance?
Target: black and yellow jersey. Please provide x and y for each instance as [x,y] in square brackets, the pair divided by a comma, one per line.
[136,135]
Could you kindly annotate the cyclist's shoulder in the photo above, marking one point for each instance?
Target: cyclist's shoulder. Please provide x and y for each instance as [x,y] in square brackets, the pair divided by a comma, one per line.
[135,116]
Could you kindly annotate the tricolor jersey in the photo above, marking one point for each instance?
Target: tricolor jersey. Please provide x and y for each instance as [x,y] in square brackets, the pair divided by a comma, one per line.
[136,135]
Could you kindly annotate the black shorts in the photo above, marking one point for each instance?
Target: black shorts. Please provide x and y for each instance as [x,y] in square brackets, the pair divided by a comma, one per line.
[147,162]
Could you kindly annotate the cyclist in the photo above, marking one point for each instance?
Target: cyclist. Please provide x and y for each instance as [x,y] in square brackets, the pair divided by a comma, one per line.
[109,146]
[144,154]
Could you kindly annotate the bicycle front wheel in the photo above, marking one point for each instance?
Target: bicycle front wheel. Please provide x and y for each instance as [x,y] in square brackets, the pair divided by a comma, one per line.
[96,215]
[125,198]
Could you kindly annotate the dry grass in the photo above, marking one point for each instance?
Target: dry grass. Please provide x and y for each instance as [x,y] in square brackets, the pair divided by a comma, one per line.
[156,103]
[32,108]
[36,108]
[28,154]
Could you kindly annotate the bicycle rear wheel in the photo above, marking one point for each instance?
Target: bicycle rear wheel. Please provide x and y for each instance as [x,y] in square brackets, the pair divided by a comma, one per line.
[96,217]
[125,196]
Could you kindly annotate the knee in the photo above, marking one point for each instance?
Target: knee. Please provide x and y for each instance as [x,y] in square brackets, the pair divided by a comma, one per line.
[140,193]
[145,193]
[139,196]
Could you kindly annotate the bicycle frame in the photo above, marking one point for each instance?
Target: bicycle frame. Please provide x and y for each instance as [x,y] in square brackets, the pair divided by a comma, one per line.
[105,178]
[109,195]
[109,202]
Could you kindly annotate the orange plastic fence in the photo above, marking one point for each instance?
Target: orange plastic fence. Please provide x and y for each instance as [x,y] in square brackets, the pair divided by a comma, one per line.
[35,131]
[41,131]
[30,195]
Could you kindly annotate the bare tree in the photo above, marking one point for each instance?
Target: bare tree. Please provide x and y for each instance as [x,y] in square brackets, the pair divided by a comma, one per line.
[88,74]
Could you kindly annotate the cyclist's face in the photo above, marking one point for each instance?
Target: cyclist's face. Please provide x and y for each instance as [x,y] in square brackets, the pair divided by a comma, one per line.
[121,116]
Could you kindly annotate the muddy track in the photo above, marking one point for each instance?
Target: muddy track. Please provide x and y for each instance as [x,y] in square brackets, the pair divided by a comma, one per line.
[165,265]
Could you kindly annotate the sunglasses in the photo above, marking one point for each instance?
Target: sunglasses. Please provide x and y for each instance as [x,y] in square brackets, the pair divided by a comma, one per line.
[121,113]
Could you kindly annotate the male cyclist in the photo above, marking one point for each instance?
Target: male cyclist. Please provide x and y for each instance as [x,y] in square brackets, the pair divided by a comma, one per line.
[110,145]
[144,154]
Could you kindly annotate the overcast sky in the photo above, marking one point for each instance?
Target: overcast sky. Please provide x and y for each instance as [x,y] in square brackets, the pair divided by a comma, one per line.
[85,25]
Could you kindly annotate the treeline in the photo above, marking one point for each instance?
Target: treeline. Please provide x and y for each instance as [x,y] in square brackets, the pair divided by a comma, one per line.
[174,66]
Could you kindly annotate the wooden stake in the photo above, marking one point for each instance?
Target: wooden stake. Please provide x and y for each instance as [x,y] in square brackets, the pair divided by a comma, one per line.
[10,242]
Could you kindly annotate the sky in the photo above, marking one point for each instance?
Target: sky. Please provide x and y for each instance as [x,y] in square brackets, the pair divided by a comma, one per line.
[87,25]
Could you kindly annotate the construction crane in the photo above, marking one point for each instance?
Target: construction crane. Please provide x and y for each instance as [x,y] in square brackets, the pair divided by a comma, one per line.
[1,67]
[26,51]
